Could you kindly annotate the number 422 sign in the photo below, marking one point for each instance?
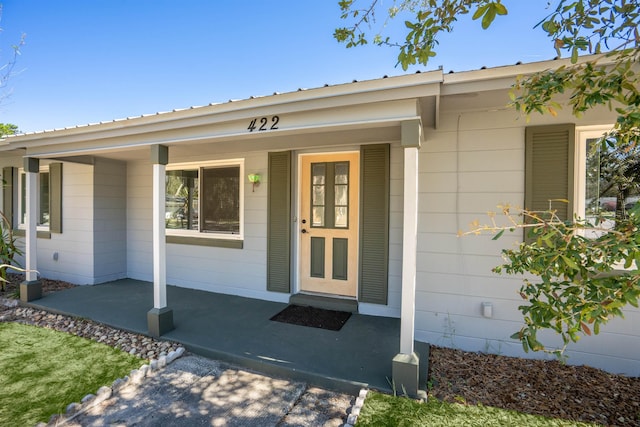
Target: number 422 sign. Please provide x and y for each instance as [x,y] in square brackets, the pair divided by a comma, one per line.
[263,124]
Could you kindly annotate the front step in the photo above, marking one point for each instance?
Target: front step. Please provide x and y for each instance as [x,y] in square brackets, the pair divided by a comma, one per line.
[328,303]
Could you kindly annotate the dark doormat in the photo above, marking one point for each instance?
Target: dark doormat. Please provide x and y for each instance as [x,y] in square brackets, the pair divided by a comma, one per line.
[313,317]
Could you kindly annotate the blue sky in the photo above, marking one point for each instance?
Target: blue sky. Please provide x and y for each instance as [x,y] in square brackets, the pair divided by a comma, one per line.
[98,60]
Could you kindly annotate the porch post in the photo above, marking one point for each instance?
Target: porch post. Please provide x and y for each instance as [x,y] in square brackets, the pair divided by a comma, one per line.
[160,317]
[406,363]
[31,288]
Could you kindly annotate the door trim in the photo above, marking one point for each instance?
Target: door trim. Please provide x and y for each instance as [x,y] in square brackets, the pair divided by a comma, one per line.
[297,288]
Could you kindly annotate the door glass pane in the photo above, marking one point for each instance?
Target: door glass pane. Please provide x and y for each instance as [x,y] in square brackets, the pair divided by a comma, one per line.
[341,217]
[318,194]
[318,216]
[342,173]
[342,195]
[318,173]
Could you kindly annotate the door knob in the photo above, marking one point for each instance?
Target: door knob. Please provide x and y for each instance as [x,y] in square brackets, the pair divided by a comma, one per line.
[304,231]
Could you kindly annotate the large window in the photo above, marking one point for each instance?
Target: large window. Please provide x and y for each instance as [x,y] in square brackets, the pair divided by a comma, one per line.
[205,199]
[608,179]
[42,204]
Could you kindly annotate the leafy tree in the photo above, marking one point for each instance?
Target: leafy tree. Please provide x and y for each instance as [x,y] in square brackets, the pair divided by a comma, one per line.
[8,129]
[584,273]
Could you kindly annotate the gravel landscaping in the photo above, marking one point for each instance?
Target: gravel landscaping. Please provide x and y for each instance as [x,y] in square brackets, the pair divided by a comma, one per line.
[140,345]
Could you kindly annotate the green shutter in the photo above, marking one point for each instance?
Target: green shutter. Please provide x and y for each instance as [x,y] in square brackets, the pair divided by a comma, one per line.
[7,194]
[279,223]
[55,197]
[374,223]
[549,168]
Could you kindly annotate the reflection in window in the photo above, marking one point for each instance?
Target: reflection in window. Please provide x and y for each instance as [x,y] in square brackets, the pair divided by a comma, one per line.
[203,199]
[181,199]
[612,182]
[42,182]
[221,200]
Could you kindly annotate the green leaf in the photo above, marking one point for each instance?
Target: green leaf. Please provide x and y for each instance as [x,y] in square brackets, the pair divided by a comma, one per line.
[497,236]
[500,9]
[570,263]
[481,10]
[489,17]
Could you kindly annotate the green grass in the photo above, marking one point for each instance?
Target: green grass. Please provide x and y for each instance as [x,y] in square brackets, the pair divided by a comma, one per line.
[384,410]
[42,371]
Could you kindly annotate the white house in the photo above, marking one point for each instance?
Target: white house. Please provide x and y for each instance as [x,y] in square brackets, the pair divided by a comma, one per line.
[360,190]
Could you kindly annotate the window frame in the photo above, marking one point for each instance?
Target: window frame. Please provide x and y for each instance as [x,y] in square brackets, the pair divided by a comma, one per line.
[200,234]
[20,223]
[583,134]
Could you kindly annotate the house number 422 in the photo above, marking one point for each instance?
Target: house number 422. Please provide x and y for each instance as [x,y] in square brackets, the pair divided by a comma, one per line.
[263,123]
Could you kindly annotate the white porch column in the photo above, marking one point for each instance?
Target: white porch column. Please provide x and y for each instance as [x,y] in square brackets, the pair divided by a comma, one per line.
[409,246]
[31,288]
[406,363]
[160,317]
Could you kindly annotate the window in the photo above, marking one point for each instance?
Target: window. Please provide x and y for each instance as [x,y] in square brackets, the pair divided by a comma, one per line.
[43,183]
[608,178]
[205,199]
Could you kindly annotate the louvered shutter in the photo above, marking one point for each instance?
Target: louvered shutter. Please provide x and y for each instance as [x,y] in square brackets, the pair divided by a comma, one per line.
[55,197]
[279,223]
[549,168]
[374,223]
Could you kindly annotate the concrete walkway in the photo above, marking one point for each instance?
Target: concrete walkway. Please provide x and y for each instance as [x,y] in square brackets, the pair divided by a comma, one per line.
[238,331]
[194,391]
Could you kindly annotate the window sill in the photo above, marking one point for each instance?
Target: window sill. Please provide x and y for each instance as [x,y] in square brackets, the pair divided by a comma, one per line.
[42,234]
[205,241]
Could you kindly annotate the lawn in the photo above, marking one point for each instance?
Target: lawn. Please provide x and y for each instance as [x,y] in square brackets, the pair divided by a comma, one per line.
[384,410]
[42,371]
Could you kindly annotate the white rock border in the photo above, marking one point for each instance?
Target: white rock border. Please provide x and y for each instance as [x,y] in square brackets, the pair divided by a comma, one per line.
[352,419]
[136,376]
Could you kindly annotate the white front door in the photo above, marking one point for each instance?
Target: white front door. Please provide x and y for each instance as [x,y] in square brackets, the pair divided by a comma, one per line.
[329,223]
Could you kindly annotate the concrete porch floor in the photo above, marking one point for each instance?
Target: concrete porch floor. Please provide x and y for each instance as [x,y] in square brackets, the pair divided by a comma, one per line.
[237,330]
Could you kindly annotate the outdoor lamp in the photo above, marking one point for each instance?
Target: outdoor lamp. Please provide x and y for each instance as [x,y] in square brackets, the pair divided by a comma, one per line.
[254,178]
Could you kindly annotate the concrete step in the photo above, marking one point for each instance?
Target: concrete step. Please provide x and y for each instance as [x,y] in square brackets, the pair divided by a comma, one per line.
[328,303]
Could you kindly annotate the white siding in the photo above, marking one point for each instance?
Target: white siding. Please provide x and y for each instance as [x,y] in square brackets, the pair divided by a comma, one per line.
[74,245]
[110,220]
[472,163]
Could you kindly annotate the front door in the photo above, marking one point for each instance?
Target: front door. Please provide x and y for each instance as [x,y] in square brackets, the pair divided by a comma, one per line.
[329,223]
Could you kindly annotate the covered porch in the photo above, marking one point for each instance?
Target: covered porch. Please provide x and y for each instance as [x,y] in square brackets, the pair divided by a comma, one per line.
[237,330]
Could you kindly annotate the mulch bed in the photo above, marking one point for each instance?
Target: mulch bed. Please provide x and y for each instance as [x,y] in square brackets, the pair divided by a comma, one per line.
[313,317]
[547,388]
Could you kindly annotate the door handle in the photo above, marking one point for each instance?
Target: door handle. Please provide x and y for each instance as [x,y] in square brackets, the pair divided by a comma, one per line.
[304,230]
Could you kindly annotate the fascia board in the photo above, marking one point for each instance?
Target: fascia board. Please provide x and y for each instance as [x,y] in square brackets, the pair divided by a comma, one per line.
[504,77]
[65,150]
[401,87]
